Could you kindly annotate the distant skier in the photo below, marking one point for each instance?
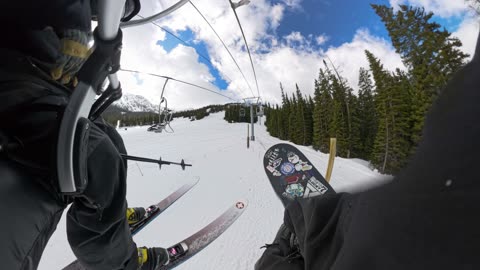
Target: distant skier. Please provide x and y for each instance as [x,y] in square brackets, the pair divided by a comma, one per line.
[427,218]
[44,45]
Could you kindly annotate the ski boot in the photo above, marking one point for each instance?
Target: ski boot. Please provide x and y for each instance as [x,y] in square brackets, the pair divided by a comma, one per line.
[152,258]
[135,215]
[138,214]
[177,251]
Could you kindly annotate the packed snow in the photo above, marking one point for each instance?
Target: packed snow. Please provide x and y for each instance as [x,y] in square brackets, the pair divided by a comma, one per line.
[228,171]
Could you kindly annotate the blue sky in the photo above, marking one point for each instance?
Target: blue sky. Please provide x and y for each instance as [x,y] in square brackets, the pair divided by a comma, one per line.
[339,20]
[282,36]
[200,47]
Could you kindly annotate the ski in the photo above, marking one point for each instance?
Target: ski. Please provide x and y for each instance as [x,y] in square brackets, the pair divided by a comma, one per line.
[155,210]
[152,212]
[189,247]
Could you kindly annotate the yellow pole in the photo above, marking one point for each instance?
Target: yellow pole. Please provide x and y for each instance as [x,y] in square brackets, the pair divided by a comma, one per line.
[331,158]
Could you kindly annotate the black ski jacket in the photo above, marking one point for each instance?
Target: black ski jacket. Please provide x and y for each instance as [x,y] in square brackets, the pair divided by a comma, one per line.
[31,106]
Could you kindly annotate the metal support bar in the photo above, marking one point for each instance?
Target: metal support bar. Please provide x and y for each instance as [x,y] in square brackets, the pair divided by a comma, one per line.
[109,15]
[155,17]
[81,102]
[251,119]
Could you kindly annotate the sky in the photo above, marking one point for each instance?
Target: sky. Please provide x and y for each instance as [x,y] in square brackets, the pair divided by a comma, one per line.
[288,41]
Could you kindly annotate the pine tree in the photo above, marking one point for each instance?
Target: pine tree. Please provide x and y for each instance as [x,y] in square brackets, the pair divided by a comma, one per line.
[317,117]
[302,118]
[293,120]
[393,140]
[431,55]
[356,124]
[381,148]
[342,94]
[367,115]
[309,120]
[322,112]
[401,125]
[339,125]
[283,118]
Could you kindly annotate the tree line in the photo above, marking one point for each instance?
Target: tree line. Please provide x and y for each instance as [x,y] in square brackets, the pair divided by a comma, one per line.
[383,123]
[239,113]
[127,118]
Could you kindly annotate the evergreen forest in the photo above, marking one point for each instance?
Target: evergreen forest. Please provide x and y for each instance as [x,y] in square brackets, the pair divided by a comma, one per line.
[383,122]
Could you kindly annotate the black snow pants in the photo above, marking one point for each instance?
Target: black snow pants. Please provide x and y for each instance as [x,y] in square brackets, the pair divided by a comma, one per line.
[30,204]
[427,218]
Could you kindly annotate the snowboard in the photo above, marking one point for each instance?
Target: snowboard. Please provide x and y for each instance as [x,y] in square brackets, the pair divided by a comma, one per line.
[292,175]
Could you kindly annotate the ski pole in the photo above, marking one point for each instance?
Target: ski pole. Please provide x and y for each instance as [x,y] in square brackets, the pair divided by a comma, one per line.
[160,162]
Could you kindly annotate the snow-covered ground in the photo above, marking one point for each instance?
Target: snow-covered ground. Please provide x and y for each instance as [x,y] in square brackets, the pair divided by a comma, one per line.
[228,171]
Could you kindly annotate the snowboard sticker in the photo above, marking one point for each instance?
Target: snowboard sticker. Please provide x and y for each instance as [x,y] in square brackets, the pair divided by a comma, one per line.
[292,175]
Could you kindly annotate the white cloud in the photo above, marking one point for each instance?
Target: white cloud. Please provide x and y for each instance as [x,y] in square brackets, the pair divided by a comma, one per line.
[294,36]
[443,8]
[468,33]
[295,4]
[321,39]
[292,59]
[142,53]
[276,16]
[349,57]
[396,3]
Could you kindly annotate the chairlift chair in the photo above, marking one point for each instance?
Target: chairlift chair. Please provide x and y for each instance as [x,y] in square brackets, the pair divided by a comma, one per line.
[260,110]
[242,112]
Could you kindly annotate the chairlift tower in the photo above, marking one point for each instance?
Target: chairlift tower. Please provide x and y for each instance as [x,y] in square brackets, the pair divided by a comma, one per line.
[252,137]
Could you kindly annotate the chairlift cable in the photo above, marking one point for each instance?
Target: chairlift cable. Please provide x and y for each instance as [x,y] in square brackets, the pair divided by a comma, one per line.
[224,45]
[248,49]
[177,80]
[189,45]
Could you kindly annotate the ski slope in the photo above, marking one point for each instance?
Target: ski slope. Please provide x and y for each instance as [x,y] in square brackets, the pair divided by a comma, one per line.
[228,171]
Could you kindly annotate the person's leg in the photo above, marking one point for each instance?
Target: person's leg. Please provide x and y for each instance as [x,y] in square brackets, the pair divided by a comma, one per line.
[282,254]
[97,227]
[30,216]
[311,235]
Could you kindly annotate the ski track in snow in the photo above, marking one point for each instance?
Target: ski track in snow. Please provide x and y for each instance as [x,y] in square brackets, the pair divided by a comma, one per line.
[228,171]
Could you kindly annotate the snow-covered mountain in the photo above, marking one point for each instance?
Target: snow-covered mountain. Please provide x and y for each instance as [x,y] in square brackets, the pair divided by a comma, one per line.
[135,103]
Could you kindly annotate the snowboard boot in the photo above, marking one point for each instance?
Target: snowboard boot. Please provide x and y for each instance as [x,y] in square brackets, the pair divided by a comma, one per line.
[287,243]
[134,215]
[152,258]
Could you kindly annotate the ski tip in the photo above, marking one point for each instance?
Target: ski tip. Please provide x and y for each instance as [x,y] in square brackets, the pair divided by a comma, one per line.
[241,204]
[196,179]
